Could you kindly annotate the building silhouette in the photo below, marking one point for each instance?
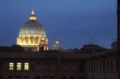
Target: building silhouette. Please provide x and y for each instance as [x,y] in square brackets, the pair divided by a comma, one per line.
[31,59]
[89,62]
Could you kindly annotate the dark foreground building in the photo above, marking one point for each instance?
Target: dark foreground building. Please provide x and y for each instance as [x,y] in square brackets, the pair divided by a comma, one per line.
[90,62]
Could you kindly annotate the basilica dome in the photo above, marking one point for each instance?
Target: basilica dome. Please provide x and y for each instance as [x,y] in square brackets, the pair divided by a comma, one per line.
[32,34]
[32,28]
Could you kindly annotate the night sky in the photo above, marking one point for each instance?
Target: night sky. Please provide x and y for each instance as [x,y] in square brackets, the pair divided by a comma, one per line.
[72,22]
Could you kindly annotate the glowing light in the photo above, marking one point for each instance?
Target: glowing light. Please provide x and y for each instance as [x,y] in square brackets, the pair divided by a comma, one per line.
[11,66]
[26,66]
[32,18]
[57,42]
[19,66]
[33,12]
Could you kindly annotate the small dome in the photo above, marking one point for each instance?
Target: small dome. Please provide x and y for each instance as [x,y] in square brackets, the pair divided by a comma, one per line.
[57,46]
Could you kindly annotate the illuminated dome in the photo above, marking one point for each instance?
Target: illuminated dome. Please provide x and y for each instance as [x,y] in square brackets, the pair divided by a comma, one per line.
[57,46]
[32,34]
[32,28]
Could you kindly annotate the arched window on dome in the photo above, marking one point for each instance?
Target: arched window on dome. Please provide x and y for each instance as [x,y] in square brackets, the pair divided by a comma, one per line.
[31,40]
[26,40]
[36,39]
[22,40]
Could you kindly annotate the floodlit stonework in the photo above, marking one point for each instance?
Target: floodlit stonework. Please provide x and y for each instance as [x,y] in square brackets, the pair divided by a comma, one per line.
[32,35]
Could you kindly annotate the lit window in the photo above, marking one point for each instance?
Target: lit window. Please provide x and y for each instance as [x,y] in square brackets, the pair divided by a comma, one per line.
[26,66]
[42,38]
[18,66]
[11,66]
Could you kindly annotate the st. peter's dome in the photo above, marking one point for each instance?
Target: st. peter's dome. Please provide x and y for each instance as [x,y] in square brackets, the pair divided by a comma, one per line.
[32,35]
[31,28]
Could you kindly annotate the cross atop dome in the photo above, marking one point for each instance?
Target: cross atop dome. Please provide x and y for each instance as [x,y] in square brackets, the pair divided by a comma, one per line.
[33,12]
[32,16]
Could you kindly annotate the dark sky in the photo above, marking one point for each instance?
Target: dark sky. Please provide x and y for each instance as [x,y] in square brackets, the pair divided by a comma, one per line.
[73,22]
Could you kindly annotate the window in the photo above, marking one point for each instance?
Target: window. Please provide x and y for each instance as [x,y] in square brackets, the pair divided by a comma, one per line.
[107,63]
[52,77]
[100,64]
[26,77]
[38,66]
[37,77]
[103,63]
[31,39]
[111,65]
[81,77]
[26,40]
[44,76]
[26,66]
[81,67]
[72,77]
[19,66]
[18,77]
[1,77]
[94,67]
[10,77]
[64,77]
[116,65]
[31,67]
[11,66]
[97,66]
[91,67]
[1,66]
